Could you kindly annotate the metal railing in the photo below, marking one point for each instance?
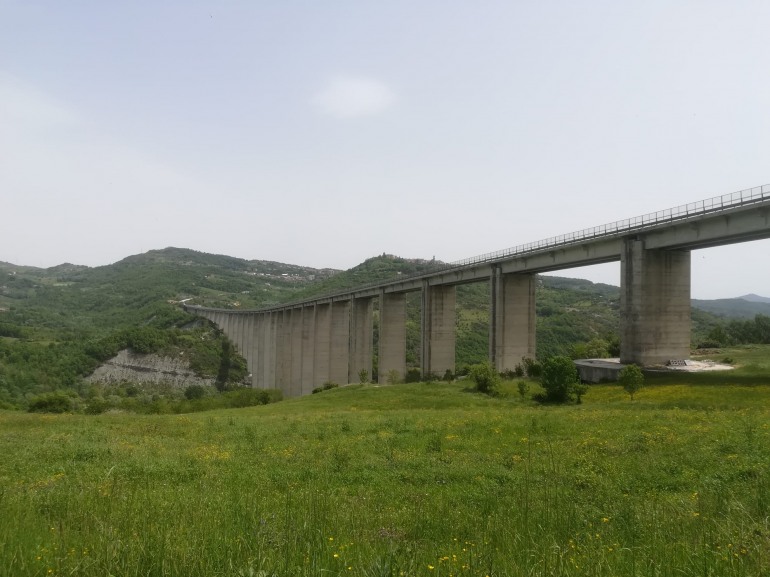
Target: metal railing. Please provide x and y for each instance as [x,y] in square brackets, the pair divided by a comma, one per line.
[710,205]
[621,227]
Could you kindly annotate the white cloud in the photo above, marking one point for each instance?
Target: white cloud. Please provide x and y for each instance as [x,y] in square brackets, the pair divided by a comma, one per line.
[347,97]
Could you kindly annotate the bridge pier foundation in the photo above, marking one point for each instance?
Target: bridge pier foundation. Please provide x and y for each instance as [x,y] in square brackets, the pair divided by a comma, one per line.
[654,304]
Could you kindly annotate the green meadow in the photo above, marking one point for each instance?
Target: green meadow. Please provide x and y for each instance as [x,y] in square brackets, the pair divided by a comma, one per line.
[425,479]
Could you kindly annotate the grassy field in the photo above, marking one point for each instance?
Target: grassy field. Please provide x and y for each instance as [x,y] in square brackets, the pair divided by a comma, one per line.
[420,479]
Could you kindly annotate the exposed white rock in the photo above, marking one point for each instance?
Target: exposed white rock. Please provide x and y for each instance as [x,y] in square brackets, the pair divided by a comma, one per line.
[139,368]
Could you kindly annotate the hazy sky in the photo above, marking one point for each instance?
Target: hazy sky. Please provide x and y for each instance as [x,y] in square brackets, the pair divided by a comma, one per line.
[325,133]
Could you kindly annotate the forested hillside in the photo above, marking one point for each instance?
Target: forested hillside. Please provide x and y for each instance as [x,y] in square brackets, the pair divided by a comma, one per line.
[58,324]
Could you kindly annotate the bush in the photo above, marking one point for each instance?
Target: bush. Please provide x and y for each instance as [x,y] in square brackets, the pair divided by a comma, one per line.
[393,377]
[54,402]
[523,387]
[448,376]
[560,379]
[194,392]
[96,406]
[415,376]
[485,377]
[531,367]
[247,397]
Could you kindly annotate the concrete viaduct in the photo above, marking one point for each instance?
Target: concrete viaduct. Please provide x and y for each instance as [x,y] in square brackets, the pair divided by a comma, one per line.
[298,346]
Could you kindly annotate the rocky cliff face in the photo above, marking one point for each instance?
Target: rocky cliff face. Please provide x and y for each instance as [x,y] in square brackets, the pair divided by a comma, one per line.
[137,368]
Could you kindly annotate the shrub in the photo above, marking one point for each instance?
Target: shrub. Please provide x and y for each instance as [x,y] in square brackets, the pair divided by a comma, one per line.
[485,377]
[631,379]
[247,397]
[194,392]
[415,376]
[393,377]
[523,387]
[560,379]
[448,376]
[363,376]
[54,402]
[531,367]
[96,406]
[325,387]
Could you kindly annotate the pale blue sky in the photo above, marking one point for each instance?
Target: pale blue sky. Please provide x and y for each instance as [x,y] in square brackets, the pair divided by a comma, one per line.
[324,133]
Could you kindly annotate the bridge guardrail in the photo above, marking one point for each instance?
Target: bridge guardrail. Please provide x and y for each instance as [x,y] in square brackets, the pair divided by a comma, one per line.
[708,206]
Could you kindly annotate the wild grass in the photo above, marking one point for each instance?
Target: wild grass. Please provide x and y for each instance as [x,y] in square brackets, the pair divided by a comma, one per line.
[419,479]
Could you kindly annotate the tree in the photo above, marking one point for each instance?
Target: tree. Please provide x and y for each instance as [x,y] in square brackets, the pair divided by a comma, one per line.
[631,379]
[560,379]
[223,375]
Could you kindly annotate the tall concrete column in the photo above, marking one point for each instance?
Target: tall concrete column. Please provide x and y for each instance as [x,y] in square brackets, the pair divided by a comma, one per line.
[295,372]
[361,338]
[270,336]
[322,343]
[438,329]
[392,353]
[284,353]
[654,304]
[258,351]
[339,350]
[308,350]
[238,333]
[512,319]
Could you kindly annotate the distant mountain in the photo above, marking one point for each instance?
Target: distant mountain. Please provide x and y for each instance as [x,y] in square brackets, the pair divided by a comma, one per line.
[734,308]
[751,297]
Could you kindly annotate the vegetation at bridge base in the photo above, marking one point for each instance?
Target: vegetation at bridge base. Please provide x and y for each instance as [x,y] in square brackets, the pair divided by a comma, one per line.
[423,479]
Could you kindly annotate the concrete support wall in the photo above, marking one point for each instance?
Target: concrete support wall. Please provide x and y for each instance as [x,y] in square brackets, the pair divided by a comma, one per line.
[392,349]
[438,329]
[654,304]
[321,354]
[308,381]
[361,338]
[512,319]
[339,350]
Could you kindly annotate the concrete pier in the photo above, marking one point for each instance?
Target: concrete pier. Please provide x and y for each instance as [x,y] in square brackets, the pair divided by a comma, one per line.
[438,329]
[361,335]
[654,304]
[321,353]
[392,335]
[308,350]
[512,319]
